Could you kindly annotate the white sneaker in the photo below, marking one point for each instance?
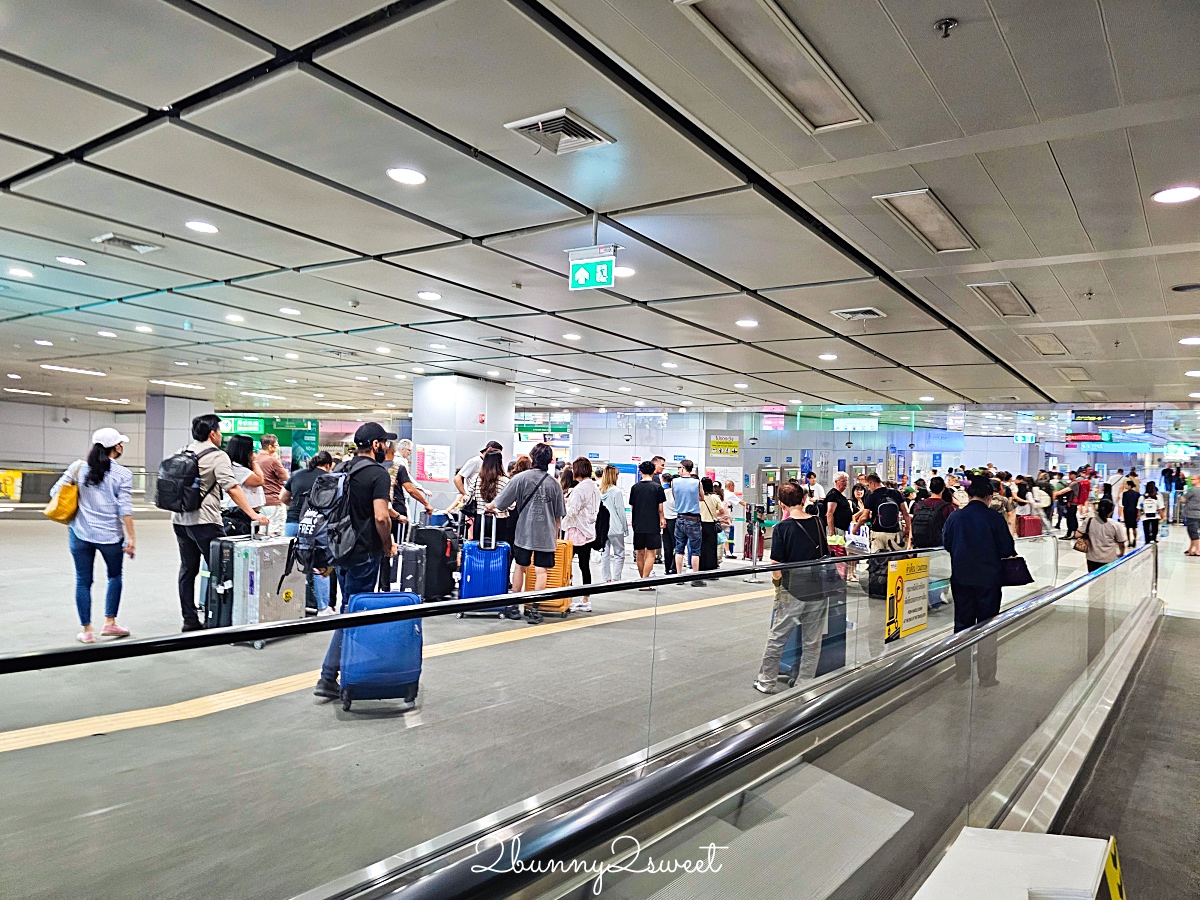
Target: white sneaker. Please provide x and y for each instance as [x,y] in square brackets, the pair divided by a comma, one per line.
[763,688]
[327,611]
[581,606]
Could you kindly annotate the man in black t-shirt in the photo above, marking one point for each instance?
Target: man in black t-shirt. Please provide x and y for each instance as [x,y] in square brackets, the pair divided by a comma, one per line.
[837,507]
[885,523]
[646,499]
[369,490]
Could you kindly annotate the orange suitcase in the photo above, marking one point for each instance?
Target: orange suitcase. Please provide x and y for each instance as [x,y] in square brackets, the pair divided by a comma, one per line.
[559,576]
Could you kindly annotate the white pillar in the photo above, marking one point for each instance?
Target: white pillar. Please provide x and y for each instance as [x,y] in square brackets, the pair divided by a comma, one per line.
[169,425]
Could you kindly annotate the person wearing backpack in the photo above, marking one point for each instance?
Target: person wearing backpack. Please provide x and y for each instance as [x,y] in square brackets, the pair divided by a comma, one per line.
[367,491]
[295,497]
[191,484]
[884,510]
[930,515]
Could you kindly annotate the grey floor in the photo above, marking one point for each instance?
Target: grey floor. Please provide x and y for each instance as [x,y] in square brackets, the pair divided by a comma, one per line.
[1145,788]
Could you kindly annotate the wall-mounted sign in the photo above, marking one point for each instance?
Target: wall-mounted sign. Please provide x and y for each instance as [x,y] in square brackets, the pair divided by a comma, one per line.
[907,597]
[1115,417]
[241,425]
[724,445]
[937,461]
[1024,438]
[433,462]
[856,424]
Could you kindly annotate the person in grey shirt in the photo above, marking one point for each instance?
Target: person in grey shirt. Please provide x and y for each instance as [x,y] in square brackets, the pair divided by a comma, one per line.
[1191,515]
[538,500]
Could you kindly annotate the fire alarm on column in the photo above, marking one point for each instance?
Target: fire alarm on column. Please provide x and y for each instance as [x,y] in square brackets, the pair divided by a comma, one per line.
[481,418]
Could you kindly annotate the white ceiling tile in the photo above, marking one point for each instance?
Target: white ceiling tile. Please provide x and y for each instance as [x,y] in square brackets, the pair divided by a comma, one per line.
[723,313]
[962,378]
[263,309]
[648,325]
[293,22]
[554,330]
[15,158]
[654,359]
[738,357]
[808,352]
[132,272]
[817,303]
[930,347]
[403,284]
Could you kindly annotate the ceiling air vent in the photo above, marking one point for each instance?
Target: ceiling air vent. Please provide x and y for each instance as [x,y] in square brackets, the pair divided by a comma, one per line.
[1074,373]
[1046,344]
[1095,395]
[923,214]
[861,314]
[1004,398]
[125,243]
[560,131]
[1004,299]
[341,354]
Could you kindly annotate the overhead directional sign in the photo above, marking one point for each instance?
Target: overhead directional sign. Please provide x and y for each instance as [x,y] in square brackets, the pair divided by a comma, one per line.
[593,273]
[1024,438]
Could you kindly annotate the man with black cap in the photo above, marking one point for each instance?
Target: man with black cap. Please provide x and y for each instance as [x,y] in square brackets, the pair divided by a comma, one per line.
[369,490]
[473,465]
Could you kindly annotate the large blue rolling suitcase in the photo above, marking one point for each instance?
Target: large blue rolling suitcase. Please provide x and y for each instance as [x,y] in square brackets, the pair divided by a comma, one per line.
[484,569]
[382,662]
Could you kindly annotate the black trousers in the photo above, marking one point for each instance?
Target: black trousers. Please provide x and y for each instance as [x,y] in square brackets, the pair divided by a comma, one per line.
[194,542]
[1072,519]
[974,605]
[583,553]
[1150,527]
[669,546]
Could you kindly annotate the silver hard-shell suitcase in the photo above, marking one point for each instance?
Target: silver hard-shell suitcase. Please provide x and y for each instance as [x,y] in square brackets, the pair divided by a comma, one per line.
[262,593]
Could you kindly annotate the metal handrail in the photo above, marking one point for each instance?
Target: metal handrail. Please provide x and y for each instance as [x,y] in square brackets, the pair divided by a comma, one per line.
[590,825]
[58,657]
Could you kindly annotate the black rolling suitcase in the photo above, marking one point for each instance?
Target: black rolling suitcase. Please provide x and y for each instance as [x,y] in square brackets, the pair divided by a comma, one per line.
[877,575]
[441,559]
[405,570]
[218,602]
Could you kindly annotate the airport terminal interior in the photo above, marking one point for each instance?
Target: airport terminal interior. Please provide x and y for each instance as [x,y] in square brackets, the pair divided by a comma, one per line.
[626,448]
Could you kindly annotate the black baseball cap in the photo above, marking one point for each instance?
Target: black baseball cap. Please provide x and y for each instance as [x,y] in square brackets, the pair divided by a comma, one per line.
[492,445]
[371,431]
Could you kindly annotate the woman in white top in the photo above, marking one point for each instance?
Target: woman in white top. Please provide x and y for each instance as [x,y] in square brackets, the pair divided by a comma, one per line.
[246,471]
[103,523]
[1152,509]
[1106,539]
[484,487]
[583,503]
[612,556]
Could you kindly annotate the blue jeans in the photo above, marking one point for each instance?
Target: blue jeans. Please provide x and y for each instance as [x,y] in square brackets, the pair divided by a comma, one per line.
[687,532]
[84,554]
[320,583]
[360,578]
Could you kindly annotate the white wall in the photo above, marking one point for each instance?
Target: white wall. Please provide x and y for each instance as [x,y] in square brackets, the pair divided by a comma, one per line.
[35,436]
[1020,459]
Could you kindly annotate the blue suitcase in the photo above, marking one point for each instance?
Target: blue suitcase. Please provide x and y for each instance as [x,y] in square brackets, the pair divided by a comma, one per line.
[484,570]
[381,662]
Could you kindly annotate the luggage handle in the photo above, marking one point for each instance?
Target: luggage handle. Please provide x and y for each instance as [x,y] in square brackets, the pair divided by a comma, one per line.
[483,530]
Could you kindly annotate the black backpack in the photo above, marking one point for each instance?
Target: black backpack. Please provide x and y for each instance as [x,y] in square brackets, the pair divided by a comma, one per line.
[602,519]
[178,488]
[326,535]
[887,515]
[927,524]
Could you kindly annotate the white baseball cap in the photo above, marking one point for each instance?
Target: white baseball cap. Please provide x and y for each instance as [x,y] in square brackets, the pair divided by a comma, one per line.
[108,438]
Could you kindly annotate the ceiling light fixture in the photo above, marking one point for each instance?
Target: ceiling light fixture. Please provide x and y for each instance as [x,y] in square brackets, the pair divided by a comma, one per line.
[250,358]
[291,356]
[106,400]
[391,406]
[383,349]
[318,395]
[796,402]
[44,343]
[143,329]
[23,391]
[180,362]
[289,381]
[573,390]
[529,391]
[492,373]
[231,383]
[401,375]
[1004,299]
[437,346]
[747,323]
[261,396]
[201,227]
[625,389]
[332,405]
[107,333]
[925,399]
[1190,341]
[360,377]
[431,296]
[404,175]
[683,409]
[924,216]
[73,261]
[828,357]
[670,365]
[602,409]
[1189,288]
[543,371]
[639,402]
[572,336]
[18,272]
[14,376]
[178,384]
[623,271]
[741,385]
[289,310]
[1195,396]
[420,370]
[686,403]
[234,317]
[1180,194]
[380,393]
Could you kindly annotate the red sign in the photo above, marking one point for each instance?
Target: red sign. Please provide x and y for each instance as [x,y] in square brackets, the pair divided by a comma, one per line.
[1086,437]
[1072,446]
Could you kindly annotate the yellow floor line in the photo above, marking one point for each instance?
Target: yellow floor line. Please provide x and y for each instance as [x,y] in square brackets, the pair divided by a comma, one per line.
[40,735]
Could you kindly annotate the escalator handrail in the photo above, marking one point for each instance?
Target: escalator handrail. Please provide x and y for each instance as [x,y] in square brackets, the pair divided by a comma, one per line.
[609,816]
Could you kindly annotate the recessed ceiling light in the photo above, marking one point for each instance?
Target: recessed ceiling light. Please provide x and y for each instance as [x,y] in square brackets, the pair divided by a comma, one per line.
[14,376]
[143,329]
[431,296]
[234,317]
[289,310]
[360,377]
[403,175]
[391,406]
[572,336]
[180,362]
[231,383]
[925,399]
[379,393]
[828,357]
[529,391]
[401,375]
[1179,194]
[625,389]
[543,371]
[492,373]
[43,343]
[623,271]
[18,272]
[420,370]
[201,227]
[437,346]
[573,390]
[289,381]
[1194,373]
[1194,396]
[178,384]
[747,323]
[106,400]
[796,402]
[250,358]
[686,403]
[261,396]
[924,216]
[73,261]
[556,403]
[1190,341]
[318,395]
[23,391]
[333,405]
[291,356]
[107,333]
[602,409]
[639,402]
[383,349]
[670,365]
[741,385]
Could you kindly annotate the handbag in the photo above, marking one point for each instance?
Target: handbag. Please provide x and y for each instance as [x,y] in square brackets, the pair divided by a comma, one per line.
[1014,572]
[1082,544]
[65,504]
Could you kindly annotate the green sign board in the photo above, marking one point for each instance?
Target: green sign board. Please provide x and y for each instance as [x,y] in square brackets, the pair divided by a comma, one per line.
[550,427]
[587,274]
[238,425]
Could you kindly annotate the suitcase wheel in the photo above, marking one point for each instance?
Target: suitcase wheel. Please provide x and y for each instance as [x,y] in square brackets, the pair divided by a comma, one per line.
[460,615]
[565,613]
[346,701]
[258,645]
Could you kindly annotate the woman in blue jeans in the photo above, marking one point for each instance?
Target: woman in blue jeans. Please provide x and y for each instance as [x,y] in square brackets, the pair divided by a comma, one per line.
[103,523]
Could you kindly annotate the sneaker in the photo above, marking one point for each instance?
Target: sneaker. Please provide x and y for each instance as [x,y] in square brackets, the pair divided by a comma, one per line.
[511,612]
[533,617]
[328,688]
[192,626]
[327,611]
[86,637]
[114,630]
[584,606]
[699,583]
[763,687]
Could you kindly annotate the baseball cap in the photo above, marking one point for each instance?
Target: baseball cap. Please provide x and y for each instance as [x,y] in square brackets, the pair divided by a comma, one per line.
[492,445]
[372,431]
[108,438]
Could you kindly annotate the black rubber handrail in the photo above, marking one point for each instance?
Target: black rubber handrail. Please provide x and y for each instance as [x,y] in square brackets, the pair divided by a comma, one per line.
[569,836]
[58,657]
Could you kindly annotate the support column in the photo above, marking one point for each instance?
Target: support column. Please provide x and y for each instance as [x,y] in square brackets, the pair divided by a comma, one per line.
[454,416]
[169,425]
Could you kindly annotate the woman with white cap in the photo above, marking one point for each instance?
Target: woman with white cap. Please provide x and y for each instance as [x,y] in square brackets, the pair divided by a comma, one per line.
[103,522]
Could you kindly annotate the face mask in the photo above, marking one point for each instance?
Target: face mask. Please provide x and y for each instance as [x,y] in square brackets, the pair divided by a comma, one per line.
[120,453]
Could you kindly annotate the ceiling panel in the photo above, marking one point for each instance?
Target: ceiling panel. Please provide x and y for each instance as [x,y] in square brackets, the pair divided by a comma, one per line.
[809,352]
[474,265]
[889,380]
[119,199]
[1153,47]
[98,264]
[393,281]
[360,142]
[744,236]
[597,365]
[165,53]
[365,308]
[678,365]
[816,383]
[79,115]
[184,160]
[962,378]
[1099,172]
[853,396]
[261,311]
[15,158]
[723,313]
[656,275]
[67,279]
[647,325]
[738,357]
[943,347]
[1165,156]
[489,335]
[430,65]
[817,302]
[554,330]
[293,22]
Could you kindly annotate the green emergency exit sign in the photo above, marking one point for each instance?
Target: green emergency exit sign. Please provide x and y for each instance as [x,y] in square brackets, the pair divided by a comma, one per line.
[587,274]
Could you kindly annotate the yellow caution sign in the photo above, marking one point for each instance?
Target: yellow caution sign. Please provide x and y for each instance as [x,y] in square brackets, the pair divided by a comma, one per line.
[907,597]
[1112,872]
[287,595]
